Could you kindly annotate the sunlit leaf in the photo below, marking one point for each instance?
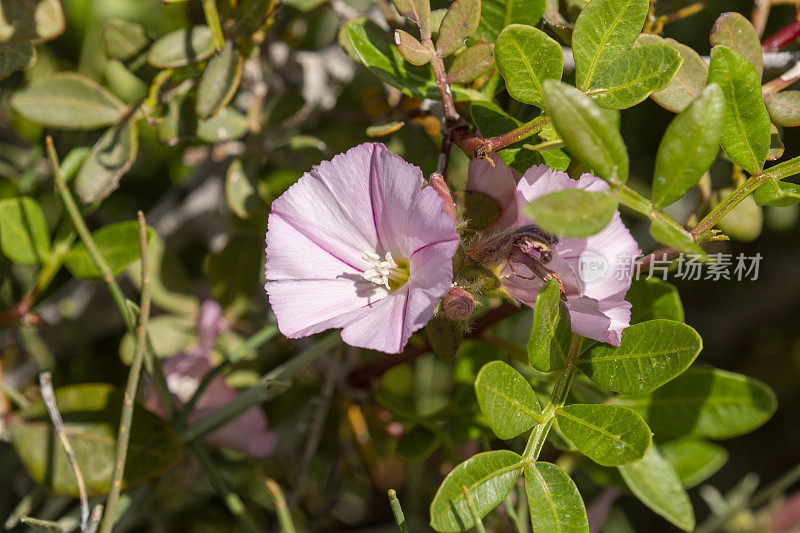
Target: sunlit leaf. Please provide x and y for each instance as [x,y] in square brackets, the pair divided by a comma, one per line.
[411,49]
[240,190]
[671,234]
[111,157]
[31,20]
[124,40]
[506,400]
[182,47]
[472,63]
[459,23]
[548,345]
[777,193]
[573,213]
[526,56]
[24,237]
[737,33]
[16,56]
[554,502]
[689,81]
[784,108]
[653,298]
[499,14]
[220,81]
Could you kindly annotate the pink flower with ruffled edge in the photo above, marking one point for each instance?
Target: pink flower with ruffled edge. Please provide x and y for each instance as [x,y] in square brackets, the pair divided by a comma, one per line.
[358,243]
[592,270]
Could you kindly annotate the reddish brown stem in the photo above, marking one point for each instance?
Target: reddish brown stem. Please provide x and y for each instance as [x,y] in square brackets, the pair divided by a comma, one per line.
[783,38]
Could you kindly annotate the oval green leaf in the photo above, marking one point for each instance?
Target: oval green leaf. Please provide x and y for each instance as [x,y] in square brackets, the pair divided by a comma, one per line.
[737,33]
[784,108]
[227,125]
[636,75]
[31,20]
[688,147]
[657,485]
[91,414]
[668,232]
[651,353]
[411,49]
[573,213]
[459,23]
[604,31]
[554,502]
[689,81]
[694,460]
[182,47]
[654,298]
[220,81]
[417,10]
[111,157]
[506,400]
[118,243]
[68,101]
[124,40]
[587,131]
[777,193]
[24,237]
[706,402]
[609,435]
[526,57]
[548,345]
[489,476]
[14,57]
[746,131]
[241,192]
[499,14]
[472,63]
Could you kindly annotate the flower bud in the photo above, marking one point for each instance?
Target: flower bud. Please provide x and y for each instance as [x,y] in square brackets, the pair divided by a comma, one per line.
[458,304]
[439,185]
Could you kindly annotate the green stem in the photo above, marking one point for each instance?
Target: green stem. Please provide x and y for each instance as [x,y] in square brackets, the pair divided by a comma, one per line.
[126,417]
[232,500]
[727,204]
[269,386]
[538,436]
[80,226]
[473,510]
[561,388]
[281,509]
[397,511]
[212,19]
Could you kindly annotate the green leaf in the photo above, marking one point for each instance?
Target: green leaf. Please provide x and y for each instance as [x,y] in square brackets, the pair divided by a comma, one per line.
[489,476]
[706,402]
[609,435]
[14,57]
[499,14]
[745,221]
[227,125]
[694,460]
[118,243]
[737,33]
[635,75]
[182,47]
[124,40]
[180,122]
[411,49]
[91,414]
[587,131]
[68,101]
[506,400]
[24,237]
[367,44]
[573,213]
[651,353]
[220,81]
[526,56]
[784,108]
[111,157]
[777,193]
[604,31]
[31,20]
[459,23]
[241,191]
[689,146]
[671,234]
[555,504]
[444,336]
[653,298]
[417,444]
[689,81]
[746,133]
[548,345]
[776,147]
[472,63]
[655,482]
[417,10]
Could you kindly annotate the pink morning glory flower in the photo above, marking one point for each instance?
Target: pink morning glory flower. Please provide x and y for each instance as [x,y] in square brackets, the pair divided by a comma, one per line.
[499,182]
[593,272]
[358,243]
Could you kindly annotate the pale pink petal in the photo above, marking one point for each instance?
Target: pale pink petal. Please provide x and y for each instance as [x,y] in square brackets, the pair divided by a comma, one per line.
[394,185]
[498,182]
[382,328]
[429,223]
[433,276]
[331,205]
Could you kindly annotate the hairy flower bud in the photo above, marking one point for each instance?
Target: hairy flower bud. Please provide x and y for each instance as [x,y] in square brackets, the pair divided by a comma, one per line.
[458,304]
[439,185]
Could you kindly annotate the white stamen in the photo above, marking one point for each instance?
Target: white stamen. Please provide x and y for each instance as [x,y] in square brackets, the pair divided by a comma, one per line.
[382,270]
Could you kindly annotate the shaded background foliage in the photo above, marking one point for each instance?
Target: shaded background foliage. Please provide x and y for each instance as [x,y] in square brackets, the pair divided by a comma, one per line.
[319,103]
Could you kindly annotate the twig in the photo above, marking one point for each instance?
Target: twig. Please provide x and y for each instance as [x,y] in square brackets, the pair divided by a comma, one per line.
[451,117]
[49,398]
[281,509]
[126,417]
[80,226]
[212,19]
[397,511]
[473,510]
[760,14]
[232,500]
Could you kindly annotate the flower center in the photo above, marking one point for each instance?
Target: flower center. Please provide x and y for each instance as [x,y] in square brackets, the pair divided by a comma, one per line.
[387,272]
